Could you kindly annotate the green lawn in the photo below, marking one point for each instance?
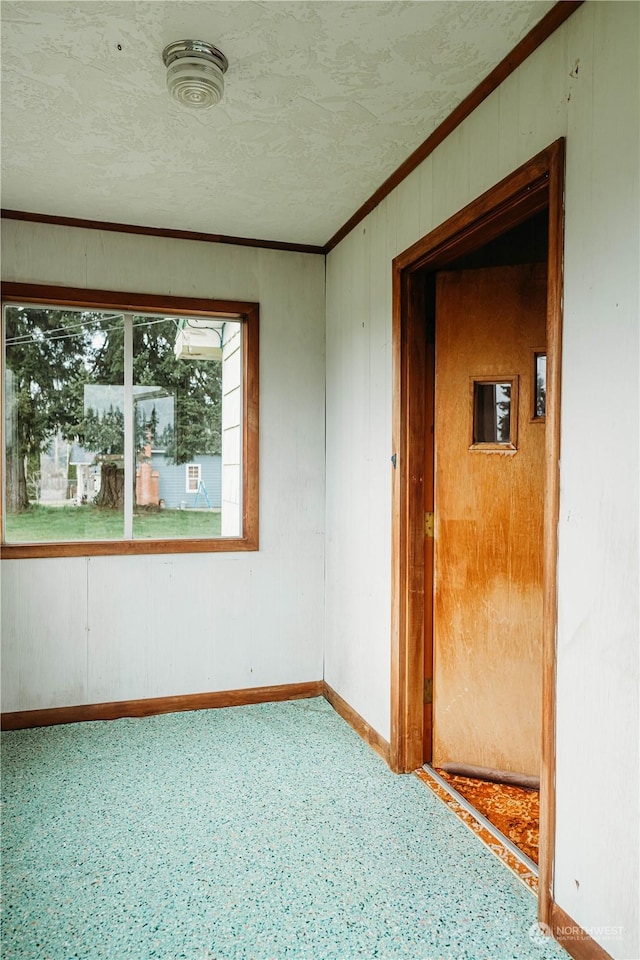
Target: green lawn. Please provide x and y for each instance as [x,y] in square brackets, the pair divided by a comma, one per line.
[52,524]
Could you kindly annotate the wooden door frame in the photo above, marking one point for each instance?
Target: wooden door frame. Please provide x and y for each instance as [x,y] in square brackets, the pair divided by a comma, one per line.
[537,185]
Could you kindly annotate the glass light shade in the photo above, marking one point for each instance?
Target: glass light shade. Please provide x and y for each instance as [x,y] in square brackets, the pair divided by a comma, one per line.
[195,83]
[195,73]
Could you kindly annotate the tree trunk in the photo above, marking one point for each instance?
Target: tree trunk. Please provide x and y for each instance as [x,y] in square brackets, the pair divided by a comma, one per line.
[111,492]
[17,497]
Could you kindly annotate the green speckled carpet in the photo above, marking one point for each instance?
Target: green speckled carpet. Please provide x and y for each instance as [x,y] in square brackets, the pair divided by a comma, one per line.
[263,833]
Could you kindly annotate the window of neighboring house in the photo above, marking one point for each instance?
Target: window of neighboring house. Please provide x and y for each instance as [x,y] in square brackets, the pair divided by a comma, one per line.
[194,475]
[108,399]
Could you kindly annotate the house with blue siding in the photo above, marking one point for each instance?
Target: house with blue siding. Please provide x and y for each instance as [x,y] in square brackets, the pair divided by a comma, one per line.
[187,485]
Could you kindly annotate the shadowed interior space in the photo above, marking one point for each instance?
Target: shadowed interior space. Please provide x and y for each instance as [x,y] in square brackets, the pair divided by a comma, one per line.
[264,831]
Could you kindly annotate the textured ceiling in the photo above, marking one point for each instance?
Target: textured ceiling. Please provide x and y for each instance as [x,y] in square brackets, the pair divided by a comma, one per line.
[323,101]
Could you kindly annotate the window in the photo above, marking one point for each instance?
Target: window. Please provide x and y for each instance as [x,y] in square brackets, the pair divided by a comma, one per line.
[194,474]
[540,381]
[494,418]
[128,425]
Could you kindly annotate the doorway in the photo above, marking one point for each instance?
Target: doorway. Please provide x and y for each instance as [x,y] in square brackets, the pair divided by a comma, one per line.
[534,191]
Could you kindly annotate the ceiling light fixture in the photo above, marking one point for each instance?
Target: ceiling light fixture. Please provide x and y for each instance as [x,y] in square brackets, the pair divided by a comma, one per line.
[195,72]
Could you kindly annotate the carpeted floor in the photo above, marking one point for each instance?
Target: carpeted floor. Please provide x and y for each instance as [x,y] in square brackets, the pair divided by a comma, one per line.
[513,810]
[253,833]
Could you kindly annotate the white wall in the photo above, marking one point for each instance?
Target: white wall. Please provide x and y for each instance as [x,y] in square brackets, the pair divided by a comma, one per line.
[87,630]
[596,108]
[598,631]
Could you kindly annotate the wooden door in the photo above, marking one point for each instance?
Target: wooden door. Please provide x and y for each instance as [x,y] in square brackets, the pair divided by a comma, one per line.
[489,493]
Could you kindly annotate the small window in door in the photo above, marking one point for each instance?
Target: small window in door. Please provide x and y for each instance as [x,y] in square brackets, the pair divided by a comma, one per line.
[494,413]
[540,384]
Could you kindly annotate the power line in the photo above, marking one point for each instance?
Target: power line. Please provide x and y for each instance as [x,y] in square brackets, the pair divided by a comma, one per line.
[29,338]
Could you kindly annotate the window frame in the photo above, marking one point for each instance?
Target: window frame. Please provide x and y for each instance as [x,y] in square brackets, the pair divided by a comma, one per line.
[244,312]
[511,446]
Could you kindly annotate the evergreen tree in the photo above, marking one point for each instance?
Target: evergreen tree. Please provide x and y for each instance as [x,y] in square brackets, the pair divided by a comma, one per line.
[196,386]
[44,373]
[52,355]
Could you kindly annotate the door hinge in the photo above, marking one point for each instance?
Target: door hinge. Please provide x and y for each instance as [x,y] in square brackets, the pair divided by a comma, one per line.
[428,690]
[428,525]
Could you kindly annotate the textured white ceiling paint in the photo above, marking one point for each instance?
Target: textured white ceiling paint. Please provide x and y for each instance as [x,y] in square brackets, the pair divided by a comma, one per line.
[323,101]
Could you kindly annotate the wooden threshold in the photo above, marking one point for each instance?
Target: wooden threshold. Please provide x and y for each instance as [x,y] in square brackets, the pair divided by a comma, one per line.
[25,719]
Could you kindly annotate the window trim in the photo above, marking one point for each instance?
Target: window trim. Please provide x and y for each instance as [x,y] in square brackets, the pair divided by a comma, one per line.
[243,312]
[511,446]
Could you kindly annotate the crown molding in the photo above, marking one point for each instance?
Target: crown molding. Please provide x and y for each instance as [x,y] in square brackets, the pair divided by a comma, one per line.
[159,232]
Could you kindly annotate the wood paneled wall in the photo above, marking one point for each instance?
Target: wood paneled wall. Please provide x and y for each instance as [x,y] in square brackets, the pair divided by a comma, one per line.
[506,130]
[89,630]
[582,84]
